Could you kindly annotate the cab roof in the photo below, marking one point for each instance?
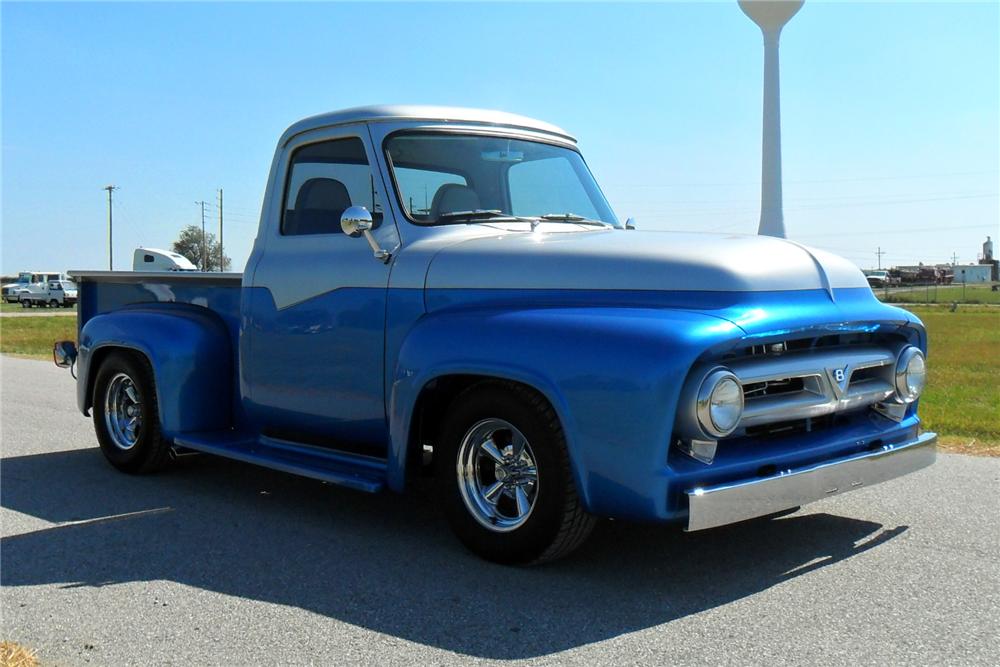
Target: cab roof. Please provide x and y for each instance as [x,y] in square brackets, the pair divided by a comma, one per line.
[383,113]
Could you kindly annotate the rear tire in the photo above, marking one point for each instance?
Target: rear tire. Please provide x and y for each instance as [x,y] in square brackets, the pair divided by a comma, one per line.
[521,507]
[126,416]
[53,304]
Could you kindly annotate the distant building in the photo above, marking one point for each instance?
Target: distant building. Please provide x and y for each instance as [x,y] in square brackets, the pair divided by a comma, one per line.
[973,273]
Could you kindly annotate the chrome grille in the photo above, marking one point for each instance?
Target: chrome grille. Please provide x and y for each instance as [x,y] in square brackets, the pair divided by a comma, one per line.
[800,385]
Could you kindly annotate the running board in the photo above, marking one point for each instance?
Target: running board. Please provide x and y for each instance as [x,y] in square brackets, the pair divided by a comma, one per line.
[362,473]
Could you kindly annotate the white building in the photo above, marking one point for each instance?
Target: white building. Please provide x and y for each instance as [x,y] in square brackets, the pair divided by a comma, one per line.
[972,273]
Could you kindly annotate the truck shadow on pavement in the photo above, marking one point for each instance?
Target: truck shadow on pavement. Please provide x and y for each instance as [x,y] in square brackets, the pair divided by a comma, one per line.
[387,563]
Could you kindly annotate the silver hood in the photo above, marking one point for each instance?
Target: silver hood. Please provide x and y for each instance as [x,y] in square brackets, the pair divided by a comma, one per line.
[638,260]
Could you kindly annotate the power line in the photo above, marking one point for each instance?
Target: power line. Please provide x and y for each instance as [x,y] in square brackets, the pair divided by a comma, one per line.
[813,207]
[900,231]
[816,180]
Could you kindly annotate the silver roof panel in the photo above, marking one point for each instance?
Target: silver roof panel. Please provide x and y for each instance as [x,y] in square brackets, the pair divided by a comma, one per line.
[383,113]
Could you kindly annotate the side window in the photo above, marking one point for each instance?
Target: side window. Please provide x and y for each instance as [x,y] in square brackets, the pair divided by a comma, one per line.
[324,180]
[419,187]
[549,185]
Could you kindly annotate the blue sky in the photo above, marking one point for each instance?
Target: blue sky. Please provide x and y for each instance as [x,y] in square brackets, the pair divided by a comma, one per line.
[890,112]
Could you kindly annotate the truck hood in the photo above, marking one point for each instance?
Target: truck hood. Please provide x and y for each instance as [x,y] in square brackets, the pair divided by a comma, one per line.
[638,260]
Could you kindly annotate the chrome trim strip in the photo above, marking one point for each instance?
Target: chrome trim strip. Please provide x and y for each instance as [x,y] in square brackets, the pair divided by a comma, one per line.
[805,404]
[154,276]
[738,501]
[812,362]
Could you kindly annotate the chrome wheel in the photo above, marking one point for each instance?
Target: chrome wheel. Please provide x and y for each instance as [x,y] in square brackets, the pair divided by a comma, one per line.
[122,412]
[497,475]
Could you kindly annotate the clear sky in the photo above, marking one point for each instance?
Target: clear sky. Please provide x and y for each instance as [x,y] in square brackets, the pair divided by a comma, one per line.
[890,112]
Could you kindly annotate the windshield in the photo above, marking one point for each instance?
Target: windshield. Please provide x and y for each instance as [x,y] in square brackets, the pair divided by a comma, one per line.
[24,278]
[453,178]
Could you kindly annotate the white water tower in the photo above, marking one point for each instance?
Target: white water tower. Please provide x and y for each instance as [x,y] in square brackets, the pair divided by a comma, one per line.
[771,16]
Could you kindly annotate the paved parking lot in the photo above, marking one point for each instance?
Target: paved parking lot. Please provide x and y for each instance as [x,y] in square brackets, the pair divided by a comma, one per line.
[218,562]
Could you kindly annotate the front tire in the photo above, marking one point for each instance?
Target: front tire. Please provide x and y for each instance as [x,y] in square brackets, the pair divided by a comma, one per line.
[126,418]
[503,476]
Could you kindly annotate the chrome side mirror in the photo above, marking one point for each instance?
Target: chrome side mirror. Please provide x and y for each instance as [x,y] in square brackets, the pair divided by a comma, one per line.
[357,221]
[64,353]
[630,223]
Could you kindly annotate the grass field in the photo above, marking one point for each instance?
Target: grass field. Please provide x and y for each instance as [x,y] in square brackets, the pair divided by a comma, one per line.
[18,308]
[33,336]
[962,401]
[974,294]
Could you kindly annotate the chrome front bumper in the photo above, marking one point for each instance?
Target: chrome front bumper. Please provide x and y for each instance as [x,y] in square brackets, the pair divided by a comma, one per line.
[728,503]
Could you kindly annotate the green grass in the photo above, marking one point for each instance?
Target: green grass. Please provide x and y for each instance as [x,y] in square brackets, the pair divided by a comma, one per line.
[961,403]
[974,294]
[18,308]
[34,336]
[962,399]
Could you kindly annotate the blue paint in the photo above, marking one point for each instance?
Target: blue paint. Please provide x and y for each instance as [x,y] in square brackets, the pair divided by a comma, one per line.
[612,364]
[315,363]
[190,351]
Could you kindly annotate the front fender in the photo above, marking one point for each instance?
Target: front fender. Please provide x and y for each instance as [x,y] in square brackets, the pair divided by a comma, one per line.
[613,376]
[189,350]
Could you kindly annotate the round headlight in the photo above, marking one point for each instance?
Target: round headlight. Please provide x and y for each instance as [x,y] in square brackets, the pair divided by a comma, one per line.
[720,403]
[911,375]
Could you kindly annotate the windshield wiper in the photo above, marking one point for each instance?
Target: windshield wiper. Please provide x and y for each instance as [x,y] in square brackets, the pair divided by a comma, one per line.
[573,218]
[492,215]
[496,215]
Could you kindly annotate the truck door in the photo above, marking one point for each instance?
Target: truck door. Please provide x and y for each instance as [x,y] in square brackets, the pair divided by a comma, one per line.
[315,309]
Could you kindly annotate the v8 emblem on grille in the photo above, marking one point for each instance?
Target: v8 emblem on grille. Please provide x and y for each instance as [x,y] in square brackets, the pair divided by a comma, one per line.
[839,377]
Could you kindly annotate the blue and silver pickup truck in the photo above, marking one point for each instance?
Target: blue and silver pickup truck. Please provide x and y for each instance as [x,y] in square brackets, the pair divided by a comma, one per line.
[449,288]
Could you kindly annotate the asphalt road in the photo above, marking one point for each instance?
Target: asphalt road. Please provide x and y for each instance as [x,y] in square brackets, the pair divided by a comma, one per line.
[218,562]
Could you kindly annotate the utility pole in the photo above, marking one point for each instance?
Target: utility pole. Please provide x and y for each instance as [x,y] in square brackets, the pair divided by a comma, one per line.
[879,253]
[204,246]
[954,258]
[221,254]
[110,189]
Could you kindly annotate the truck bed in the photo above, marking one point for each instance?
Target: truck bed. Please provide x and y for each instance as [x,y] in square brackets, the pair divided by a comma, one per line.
[105,291]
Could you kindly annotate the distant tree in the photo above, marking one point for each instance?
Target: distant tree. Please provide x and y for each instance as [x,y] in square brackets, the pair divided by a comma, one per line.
[189,244]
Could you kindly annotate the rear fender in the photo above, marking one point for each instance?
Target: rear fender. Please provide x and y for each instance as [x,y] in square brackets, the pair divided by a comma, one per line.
[189,350]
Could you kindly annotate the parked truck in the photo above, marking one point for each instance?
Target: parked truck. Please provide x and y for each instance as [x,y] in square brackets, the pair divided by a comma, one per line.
[52,294]
[449,288]
[28,279]
[155,259]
